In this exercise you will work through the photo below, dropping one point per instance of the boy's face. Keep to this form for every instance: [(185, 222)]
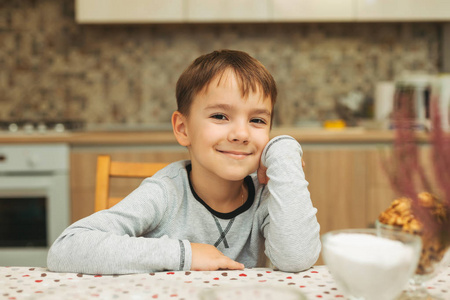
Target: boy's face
[(227, 133)]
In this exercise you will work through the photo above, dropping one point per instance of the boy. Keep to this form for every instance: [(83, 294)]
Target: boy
[(238, 194)]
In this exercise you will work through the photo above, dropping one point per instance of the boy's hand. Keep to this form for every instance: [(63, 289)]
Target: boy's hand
[(208, 258), (262, 176)]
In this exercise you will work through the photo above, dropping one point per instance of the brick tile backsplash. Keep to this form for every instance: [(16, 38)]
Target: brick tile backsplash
[(52, 67)]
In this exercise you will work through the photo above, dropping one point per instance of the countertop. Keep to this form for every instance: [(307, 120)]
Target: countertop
[(166, 137)]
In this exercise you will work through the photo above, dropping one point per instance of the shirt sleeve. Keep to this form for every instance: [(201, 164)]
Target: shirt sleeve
[(111, 241), (291, 230)]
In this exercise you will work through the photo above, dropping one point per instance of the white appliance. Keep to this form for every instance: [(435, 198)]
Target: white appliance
[(413, 91), (443, 91), (420, 90), (34, 201)]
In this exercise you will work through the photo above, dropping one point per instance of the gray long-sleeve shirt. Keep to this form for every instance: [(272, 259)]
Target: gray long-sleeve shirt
[(152, 228)]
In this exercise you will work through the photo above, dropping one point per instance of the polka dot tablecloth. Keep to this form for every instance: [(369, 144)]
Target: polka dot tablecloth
[(39, 283)]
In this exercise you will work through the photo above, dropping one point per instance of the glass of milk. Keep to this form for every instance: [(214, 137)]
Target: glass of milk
[(371, 264)]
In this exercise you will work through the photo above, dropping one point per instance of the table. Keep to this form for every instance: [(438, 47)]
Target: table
[(39, 283)]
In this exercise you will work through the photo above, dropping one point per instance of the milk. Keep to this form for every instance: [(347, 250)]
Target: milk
[(367, 266)]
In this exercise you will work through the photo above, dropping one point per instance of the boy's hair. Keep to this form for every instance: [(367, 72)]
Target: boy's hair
[(251, 75)]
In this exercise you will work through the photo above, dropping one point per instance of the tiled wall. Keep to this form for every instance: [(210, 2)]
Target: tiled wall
[(51, 67)]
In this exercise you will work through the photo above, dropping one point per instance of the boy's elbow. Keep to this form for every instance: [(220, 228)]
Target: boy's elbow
[(298, 261), (53, 260), (58, 259), (296, 266)]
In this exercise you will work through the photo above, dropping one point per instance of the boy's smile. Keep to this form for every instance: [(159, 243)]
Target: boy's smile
[(235, 154), (227, 132)]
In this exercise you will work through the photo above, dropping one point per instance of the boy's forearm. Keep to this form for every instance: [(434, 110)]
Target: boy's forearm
[(292, 232), (96, 252), (112, 242)]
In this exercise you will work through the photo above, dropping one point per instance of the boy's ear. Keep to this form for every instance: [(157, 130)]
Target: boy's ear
[(180, 128)]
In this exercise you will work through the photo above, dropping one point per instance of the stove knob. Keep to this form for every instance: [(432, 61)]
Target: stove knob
[(13, 127), (28, 127), (60, 127), (41, 127)]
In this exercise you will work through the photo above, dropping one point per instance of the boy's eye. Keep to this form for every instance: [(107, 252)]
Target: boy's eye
[(219, 117), (258, 121)]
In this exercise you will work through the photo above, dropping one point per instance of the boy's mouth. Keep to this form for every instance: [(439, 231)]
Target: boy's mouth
[(235, 154)]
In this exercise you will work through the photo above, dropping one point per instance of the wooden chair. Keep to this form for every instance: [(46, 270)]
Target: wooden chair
[(107, 169)]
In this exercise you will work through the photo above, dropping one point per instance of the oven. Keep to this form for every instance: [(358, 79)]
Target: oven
[(34, 201)]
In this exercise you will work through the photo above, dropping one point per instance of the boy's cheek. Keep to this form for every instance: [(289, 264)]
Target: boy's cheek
[(266, 141)]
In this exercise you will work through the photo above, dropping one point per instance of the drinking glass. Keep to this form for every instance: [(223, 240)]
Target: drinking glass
[(371, 264)]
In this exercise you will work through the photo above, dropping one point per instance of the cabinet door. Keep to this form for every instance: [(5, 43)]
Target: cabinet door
[(379, 192), (337, 180), (313, 10), (228, 10), (128, 11), (402, 10), (349, 185)]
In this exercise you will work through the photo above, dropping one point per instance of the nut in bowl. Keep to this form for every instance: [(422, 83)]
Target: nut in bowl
[(435, 252), (371, 264)]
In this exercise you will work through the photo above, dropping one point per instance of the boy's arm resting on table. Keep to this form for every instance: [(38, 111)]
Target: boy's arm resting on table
[(109, 242), (291, 229)]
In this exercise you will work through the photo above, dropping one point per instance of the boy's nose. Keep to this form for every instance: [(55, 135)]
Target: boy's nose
[(239, 133)]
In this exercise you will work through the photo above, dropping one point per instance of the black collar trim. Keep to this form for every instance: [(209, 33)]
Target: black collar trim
[(248, 203)]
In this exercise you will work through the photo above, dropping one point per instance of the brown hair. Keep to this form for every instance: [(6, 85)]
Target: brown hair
[(250, 74)]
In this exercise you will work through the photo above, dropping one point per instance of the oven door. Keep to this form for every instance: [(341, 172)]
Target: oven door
[(34, 210)]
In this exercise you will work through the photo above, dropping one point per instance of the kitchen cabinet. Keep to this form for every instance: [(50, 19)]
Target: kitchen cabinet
[(228, 11), (348, 184), (402, 10), (129, 11), (337, 186), (195, 11), (312, 10)]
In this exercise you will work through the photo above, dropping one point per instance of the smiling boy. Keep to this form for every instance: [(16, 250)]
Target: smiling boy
[(238, 195)]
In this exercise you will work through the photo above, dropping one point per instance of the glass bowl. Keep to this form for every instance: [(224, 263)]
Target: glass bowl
[(371, 264), (433, 258)]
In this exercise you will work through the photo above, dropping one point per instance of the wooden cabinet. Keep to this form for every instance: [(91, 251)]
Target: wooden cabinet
[(129, 11), (178, 11), (402, 10), (83, 164), (312, 10), (228, 10), (348, 184), (337, 186)]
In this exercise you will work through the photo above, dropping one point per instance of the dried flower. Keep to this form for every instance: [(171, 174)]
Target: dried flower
[(407, 175)]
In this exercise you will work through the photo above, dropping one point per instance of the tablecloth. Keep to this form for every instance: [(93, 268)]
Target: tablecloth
[(39, 283)]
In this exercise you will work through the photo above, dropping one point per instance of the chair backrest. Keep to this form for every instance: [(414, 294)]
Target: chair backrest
[(107, 169)]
